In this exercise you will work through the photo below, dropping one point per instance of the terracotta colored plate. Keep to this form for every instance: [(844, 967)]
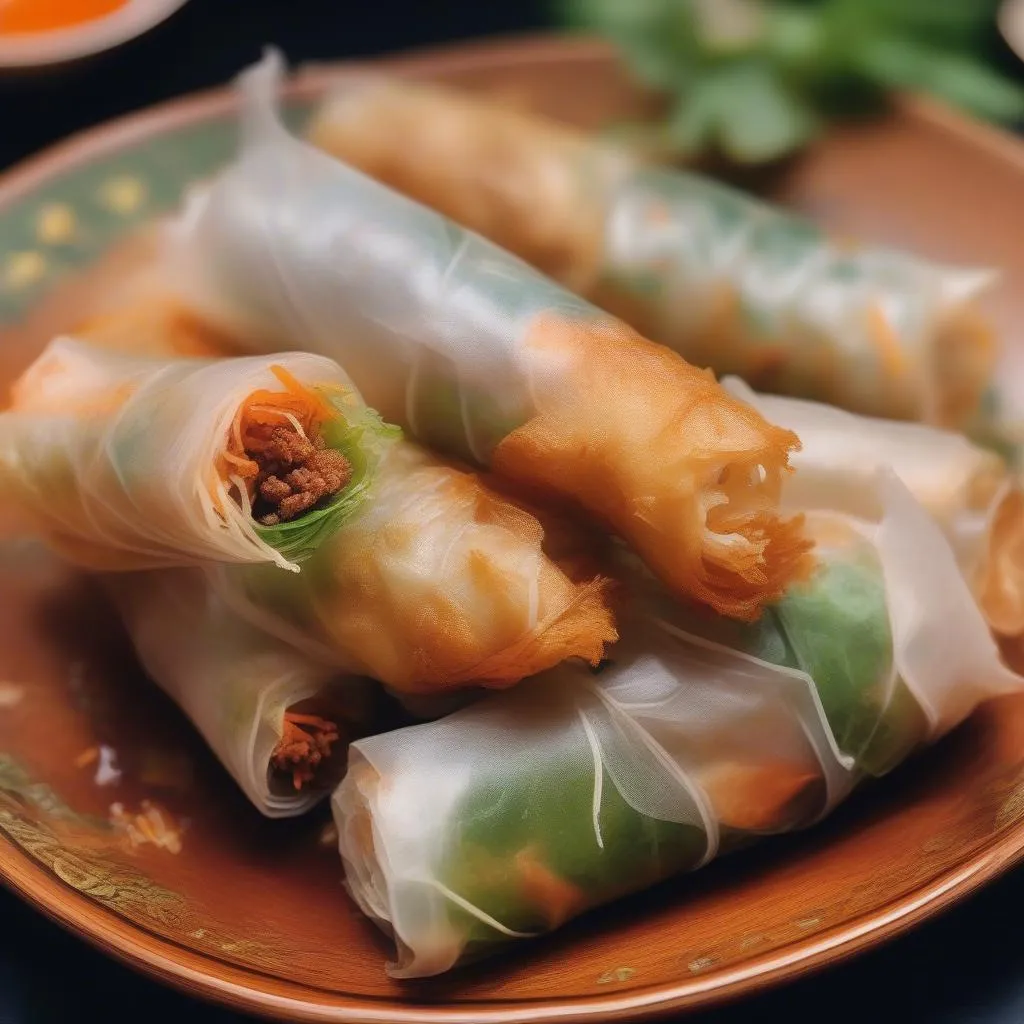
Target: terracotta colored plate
[(251, 912)]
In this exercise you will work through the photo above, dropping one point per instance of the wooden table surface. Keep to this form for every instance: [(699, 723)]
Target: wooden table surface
[(967, 966)]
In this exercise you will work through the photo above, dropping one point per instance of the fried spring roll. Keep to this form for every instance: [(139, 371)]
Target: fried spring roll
[(481, 357), (725, 280), (412, 571), (437, 583), (524, 809)]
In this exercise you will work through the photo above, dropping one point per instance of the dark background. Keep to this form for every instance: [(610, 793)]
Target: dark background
[(967, 966), (208, 41)]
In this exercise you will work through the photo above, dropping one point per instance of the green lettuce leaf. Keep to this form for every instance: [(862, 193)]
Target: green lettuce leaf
[(542, 809), (836, 628), (362, 437)]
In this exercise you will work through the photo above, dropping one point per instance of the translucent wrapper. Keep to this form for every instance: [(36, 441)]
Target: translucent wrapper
[(415, 573), (126, 462), (526, 808), (480, 356), (241, 688), (435, 582), (723, 279), (969, 491)]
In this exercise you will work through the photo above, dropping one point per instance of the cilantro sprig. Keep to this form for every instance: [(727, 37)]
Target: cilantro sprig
[(753, 80)]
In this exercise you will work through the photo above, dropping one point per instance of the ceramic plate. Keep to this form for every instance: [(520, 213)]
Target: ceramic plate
[(203, 893)]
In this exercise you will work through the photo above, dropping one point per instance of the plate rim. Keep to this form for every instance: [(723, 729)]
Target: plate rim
[(206, 976), (231, 985), (312, 77)]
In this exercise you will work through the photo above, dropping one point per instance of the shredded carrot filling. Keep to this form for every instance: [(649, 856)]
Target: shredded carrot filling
[(559, 898), (304, 746), (153, 824), (87, 757), (276, 452)]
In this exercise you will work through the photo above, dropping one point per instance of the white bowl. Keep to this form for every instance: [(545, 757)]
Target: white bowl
[(34, 49), (1011, 24)]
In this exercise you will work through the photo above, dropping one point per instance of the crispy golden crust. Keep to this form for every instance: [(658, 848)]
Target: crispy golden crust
[(472, 625), (507, 175), (688, 475)]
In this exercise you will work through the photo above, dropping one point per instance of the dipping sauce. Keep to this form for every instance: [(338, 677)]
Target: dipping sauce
[(26, 16)]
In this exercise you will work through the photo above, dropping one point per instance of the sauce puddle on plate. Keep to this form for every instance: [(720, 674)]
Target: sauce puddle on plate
[(18, 17)]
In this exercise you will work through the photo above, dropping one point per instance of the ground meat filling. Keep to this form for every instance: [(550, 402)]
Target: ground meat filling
[(304, 746), (295, 473)]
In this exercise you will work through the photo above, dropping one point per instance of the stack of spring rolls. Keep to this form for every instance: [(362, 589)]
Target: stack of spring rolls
[(671, 614)]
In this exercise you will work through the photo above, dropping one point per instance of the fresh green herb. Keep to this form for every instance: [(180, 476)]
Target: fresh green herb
[(753, 80)]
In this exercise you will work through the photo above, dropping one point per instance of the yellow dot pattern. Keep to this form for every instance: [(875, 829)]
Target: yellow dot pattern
[(124, 194), (23, 269), (56, 224)]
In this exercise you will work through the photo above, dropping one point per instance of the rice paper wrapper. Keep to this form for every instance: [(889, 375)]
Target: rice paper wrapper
[(113, 458), (234, 682), (746, 288), (723, 278), (438, 349), (518, 812), (435, 582), (969, 491), (479, 356)]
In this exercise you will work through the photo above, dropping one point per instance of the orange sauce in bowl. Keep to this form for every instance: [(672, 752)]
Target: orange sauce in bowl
[(25, 16)]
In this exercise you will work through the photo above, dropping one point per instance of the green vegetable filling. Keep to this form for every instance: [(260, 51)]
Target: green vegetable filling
[(526, 850), (360, 438), (836, 628)]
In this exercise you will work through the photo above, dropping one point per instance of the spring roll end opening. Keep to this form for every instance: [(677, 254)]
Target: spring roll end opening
[(750, 553), (290, 468), (309, 753)]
